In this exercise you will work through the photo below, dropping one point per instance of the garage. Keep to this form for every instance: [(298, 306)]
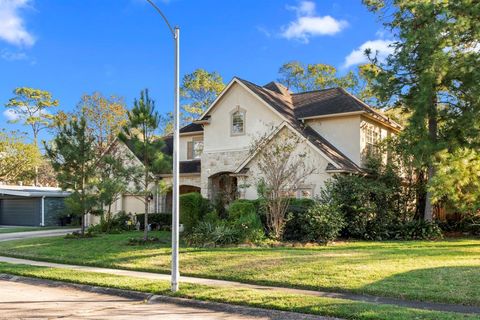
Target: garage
[(31, 206)]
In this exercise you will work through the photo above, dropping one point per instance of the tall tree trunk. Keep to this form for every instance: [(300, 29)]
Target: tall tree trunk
[(432, 132)]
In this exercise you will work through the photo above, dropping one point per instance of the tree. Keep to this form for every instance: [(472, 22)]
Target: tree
[(299, 77), (457, 180), (140, 134), (105, 118), (282, 168), (32, 107), (112, 181), (73, 158), (18, 159), (433, 75), (199, 90)]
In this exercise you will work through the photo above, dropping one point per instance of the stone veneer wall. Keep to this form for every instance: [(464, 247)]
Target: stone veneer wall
[(216, 162)]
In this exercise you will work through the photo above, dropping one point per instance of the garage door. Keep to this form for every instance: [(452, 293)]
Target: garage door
[(20, 212)]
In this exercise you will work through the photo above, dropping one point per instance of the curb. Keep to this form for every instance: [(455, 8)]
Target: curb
[(158, 299)]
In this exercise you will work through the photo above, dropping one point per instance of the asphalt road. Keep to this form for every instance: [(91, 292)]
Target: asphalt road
[(35, 234), (34, 301)]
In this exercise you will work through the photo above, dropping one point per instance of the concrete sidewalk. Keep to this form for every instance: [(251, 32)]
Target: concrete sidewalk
[(35, 234), (222, 283)]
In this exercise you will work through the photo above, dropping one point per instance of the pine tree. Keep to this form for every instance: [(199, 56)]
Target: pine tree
[(73, 158), (433, 76), (139, 134)]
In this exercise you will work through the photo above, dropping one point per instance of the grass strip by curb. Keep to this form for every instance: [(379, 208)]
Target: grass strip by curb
[(239, 296)]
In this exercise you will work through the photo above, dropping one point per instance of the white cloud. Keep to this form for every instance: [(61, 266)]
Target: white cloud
[(308, 24), (13, 56), (379, 47), (10, 115), (12, 26)]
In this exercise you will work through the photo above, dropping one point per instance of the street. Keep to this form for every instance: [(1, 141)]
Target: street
[(21, 301)]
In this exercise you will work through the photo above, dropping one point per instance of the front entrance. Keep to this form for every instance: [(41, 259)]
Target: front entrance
[(223, 188)]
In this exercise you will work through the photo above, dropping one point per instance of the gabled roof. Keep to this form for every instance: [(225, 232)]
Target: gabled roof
[(283, 104), (294, 108)]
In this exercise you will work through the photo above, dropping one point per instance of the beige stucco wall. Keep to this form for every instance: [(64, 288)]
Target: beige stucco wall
[(184, 139), (185, 180), (342, 132), (312, 160), (223, 152)]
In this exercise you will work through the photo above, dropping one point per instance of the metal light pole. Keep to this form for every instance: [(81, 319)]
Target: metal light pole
[(176, 153)]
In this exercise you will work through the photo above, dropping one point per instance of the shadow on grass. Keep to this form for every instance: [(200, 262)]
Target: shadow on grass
[(458, 285)]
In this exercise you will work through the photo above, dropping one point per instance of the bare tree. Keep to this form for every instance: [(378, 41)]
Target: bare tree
[(282, 169)]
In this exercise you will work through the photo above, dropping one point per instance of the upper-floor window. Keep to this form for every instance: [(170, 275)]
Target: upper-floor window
[(195, 148), (237, 121), (372, 138)]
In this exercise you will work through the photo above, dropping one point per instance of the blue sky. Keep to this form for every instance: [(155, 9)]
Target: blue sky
[(122, 46)]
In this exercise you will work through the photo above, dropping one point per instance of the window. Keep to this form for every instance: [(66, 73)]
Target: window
[(238, 122), (195, 148), (372, 137)]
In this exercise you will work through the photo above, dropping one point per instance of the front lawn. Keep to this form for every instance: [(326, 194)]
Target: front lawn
[(255, 298), (441, 271)]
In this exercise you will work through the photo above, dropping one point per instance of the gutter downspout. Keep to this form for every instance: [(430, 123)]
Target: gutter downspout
[(42, 224)]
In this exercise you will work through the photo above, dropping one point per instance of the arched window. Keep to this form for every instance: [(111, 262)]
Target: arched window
[(237, 122)]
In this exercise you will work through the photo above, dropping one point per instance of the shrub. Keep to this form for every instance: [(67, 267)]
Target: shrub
[(208, 234), (240, 208), (295, 227), (244, 219), (156, 220), (193, 208), (323, 223)]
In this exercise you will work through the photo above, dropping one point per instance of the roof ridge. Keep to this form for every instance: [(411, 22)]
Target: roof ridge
[(318, 90)]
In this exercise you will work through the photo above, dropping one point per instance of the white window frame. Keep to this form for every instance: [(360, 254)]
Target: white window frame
[(243, 112)]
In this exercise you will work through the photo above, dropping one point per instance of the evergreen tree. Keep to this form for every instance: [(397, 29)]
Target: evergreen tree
[(73, 158), (139, 134), (432, 74)]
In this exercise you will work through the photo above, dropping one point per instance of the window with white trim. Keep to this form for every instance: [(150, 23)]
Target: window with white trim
[(195, 148), (372, 138), (237, 122)]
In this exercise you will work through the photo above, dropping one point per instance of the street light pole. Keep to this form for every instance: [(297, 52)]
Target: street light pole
[(176, 154)]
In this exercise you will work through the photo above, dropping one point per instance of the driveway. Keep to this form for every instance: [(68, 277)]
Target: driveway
[(40, 301), (35, 234)]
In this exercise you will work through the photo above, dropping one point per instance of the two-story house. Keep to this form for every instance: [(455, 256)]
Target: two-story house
[(335, 127)]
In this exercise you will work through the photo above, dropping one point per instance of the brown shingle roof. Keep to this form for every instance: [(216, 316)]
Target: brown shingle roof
[(284, 105)]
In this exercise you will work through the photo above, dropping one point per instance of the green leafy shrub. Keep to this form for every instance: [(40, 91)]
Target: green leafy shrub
[(240, 208), (193, 208), (323, 223), (159, 221), (295, 227), (208, 234)]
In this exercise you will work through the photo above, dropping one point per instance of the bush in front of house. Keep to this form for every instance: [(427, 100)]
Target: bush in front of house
[(242, 225), (193, 208), (323, 223), (295, 226), (159, 221)]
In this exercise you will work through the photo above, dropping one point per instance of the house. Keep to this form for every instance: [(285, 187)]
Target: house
[(336, 128), (31, 206)]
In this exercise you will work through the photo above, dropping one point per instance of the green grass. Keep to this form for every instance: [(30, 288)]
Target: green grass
[(248, 297), (443, 271), (25, 229)]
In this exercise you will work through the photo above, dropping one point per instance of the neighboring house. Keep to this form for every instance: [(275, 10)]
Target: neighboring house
[(31, 206), (337, 130)]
